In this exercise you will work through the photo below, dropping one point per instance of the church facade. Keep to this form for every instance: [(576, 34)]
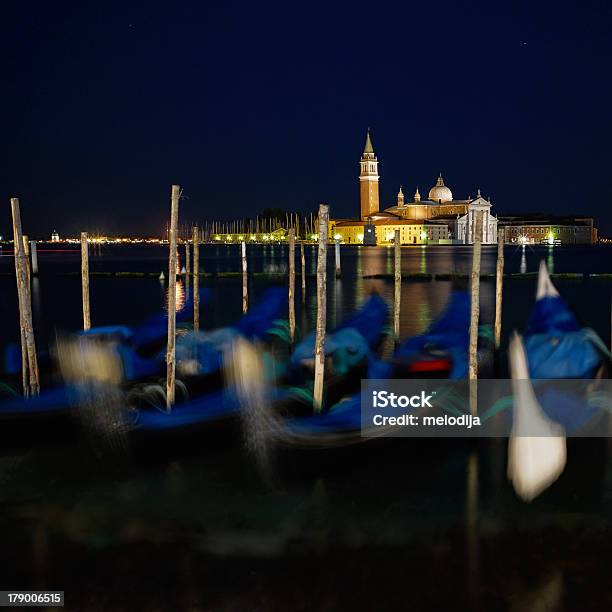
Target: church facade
[(438, 219)]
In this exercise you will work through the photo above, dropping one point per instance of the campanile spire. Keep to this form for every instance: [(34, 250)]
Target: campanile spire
[(368, 180)]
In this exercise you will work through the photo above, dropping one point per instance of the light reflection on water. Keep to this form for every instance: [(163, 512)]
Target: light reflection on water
[(180, 296), (57, 300), (212, 502)]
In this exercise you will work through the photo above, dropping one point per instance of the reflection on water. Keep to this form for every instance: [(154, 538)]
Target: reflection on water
[(423, 259), (448, 512), (180, 296), (550, 260), (421, 301), (471, 525)]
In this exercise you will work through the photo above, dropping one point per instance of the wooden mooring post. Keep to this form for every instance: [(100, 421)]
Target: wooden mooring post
[(30, 376), (187, 260), (245, 280), (34, 252), (337, 251), (85, 281), (303, 258), (26, 250), (321, 308), (172, 262), (398, 286), (499, 286), (475, 312), (292, 284), (24, 351), (196, 278)]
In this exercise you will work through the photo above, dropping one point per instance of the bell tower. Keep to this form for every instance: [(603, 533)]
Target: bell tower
[(368, 180)]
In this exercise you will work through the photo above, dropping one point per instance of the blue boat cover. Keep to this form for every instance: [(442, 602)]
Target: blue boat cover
[(202, 346), (206, 349), (49, 400), (556, 345), (351, 342), (450, 332), (369, 319)]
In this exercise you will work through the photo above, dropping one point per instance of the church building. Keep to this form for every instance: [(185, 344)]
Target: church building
[(439, 219)]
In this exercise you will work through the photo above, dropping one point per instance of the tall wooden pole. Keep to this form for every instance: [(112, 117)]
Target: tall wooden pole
[(187, 260), (292, 284), (337, 257), (303, 258), (398, 286), (196, 279), (321, 308), (85, 281), (26, 250), (245, 289), (25, 303), (475, 311), (499, 286), (34, 252), (25, 370), (171, 352)]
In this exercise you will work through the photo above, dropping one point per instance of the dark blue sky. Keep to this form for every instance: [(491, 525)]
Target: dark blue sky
[(259, 105)]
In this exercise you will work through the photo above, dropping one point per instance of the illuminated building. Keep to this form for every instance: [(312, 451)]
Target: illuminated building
[(439, 219), (540, 229)]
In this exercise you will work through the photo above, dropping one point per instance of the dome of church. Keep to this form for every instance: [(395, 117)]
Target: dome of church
[(440, 192)]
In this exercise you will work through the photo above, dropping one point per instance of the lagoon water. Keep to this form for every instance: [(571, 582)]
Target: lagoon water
[(57, 291), (421, 524)]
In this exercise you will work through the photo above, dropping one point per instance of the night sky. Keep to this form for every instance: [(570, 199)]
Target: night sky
[(258, 105)]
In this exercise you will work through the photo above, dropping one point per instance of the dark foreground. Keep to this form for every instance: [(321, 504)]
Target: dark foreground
[(416, 525)]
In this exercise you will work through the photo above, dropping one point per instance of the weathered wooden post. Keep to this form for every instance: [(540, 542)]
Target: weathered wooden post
[(24, 353), (245, 289), (25, 305), (171, 353), (303, 258), (321, 308), (337, 257), (196, 279), (499, 286), (85, 281), (34, 252), (398, 286), (475, 311), (187, 260), (292, 284), (26, 250)]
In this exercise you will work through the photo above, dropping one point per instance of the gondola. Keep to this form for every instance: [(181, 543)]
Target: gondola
[(441, 352), (57, 409), (557, 348), (347, 347)]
